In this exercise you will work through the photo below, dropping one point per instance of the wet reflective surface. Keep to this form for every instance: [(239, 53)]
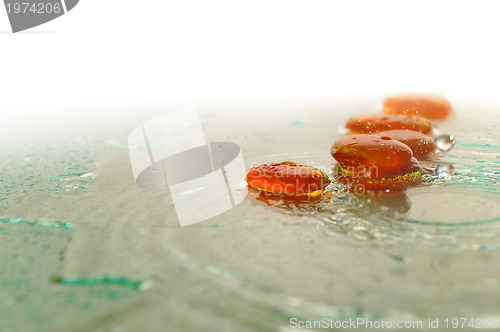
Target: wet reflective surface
[(111, 255)]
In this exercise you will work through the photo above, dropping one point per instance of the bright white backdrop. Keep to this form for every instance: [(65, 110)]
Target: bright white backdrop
[(106, 54)]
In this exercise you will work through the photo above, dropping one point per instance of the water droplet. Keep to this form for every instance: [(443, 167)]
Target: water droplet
[(444, 143), (444, 170)]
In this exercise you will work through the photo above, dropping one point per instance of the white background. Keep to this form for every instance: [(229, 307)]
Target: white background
[(107, 54)]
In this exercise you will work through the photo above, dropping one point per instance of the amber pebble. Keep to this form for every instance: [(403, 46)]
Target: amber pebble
[(422, 145), (369, 124), (371, 150), (427, 106), (288, 179), (375, 162)]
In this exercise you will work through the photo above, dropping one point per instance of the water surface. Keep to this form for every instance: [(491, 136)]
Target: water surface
[(101, 253)]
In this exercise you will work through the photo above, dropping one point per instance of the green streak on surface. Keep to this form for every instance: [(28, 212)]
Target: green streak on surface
[(105, 280), (72, 174), (299, 123), (32, 252), (476, 145), (19, 221)]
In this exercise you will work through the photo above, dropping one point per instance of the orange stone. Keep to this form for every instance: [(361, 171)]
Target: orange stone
[(422, 145), (371, 150), (288, 179), (375, 162), (427, 106), (369, 124)]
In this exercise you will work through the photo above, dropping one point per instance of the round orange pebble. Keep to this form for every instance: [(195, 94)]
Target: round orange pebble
[(421, 144), (371, 150), (288, 179), (375, 162), (427, 106), (369, 124)]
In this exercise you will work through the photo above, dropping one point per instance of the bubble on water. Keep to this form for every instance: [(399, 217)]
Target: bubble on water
[(444, 170), (445, 142)]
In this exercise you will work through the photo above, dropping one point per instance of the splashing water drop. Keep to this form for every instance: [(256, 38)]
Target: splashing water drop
[(444, 143), (444, 170)]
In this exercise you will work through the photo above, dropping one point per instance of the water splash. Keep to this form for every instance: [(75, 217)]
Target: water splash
[(386, 217)]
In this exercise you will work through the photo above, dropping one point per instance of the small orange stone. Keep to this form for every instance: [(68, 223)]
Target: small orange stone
[(422, 145), (369, 124), (371, 150), (427, 106), (375, 162), (288, 179)]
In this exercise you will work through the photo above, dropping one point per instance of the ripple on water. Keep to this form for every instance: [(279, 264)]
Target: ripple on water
[(459, 206), (452, 206)]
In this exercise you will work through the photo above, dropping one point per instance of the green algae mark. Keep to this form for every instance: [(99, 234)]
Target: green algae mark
[(105, 280), (32, 252), (214, 226), (71, 174), (477, 145), (299, 123), (43, 223)]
